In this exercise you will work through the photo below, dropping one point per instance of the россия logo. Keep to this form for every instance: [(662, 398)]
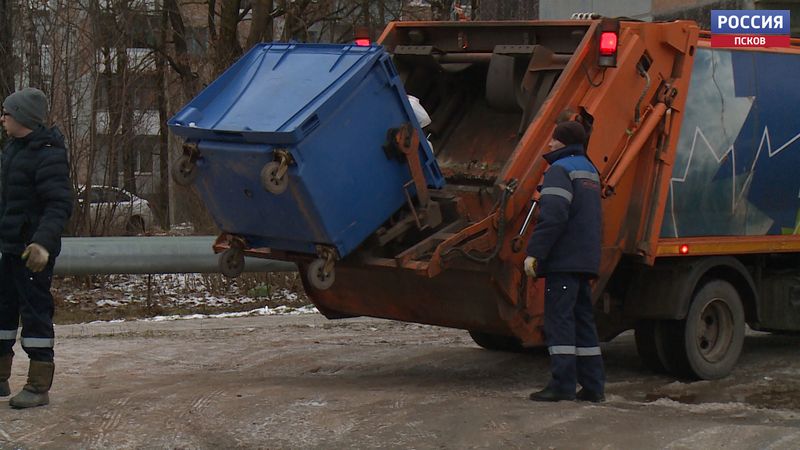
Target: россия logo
[(750, 28)]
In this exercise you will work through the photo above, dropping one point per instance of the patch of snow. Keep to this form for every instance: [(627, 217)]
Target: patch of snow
[(108, 303), (265, 311), (728, 408), (189, 290)]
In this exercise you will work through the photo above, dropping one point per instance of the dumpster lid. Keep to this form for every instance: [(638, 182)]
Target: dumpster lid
[(273, 91)]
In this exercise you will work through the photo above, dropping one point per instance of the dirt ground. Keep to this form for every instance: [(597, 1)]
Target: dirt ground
[(306, 382)]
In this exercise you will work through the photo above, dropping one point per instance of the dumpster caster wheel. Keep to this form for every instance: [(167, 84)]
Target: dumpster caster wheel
[(231, 262), (183, 171), (272, 180), (318, 277)]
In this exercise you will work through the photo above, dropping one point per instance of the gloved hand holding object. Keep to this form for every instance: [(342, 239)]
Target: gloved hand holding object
[(530, 265), (37, 257)]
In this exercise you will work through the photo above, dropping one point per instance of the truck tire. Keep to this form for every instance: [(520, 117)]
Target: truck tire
[(645, 335), (671, 349), (496, 342), (714, 330), (707, 344)]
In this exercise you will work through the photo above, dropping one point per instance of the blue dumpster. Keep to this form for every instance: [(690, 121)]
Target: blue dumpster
[(329, 108)]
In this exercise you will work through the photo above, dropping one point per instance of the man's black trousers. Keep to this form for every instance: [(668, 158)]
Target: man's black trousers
[(25, 296)]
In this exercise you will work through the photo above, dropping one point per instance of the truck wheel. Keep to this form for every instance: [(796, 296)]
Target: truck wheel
[(497, 342), (270, 181), (231, 262), (183, 171), (670, 347), (646, 347), (317, 276), (714, 331), (707, 344)]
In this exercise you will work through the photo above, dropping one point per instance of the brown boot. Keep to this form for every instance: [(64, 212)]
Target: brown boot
[(40, 378), (5, 372)]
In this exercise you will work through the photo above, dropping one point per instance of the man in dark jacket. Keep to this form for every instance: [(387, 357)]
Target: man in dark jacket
[(565, 249), (35, 204)]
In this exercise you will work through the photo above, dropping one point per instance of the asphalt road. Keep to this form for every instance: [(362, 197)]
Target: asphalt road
[(306, 382)]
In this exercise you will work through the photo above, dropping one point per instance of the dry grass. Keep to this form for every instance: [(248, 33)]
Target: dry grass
[(99, 297)]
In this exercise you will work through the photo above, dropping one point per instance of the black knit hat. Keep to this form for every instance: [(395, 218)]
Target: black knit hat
[(569, 133), (27, 106)]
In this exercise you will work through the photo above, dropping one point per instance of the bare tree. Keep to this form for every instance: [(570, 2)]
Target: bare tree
[(262, 27), (163, 115), (7, 63), (227, 43), (440, 9)]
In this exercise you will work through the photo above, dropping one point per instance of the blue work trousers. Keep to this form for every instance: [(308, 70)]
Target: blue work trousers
[(571, 334)]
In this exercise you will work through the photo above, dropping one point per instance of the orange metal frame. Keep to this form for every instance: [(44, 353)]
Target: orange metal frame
[(630, 156)]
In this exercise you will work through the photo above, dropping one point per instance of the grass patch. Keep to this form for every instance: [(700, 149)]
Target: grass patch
[(114, 297)]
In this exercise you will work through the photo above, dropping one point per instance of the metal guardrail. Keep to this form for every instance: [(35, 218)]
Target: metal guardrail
[(149, 255)]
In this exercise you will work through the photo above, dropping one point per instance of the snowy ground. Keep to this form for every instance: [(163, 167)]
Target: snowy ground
[(174, 296), (301, 381), (265, 311)]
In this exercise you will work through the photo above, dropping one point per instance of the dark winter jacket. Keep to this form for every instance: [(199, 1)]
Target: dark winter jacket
[(567, 236), (36, 195)]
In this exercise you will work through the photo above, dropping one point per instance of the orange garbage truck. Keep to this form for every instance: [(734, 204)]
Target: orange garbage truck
[(697, 149)]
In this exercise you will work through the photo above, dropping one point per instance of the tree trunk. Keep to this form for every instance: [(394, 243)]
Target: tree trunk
[(261, 28), (114, 118), (181, 65), (365, 9), (212, 23), (163, 132), (33, 53), (440, 9), (227, 47), (288, 22), (7, 66), (129, 153)]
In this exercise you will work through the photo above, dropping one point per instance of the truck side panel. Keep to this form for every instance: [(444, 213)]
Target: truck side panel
[(735, 171)]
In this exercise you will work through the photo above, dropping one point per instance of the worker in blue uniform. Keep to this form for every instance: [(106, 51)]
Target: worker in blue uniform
[(565, 249)]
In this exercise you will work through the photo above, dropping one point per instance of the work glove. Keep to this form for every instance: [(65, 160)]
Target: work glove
[(530, 265), (36, 256)]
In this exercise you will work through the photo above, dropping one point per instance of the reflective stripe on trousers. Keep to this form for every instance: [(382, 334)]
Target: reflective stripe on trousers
[(8, 335), (562, 350), (28, 342), (572, 350), (587, 351)]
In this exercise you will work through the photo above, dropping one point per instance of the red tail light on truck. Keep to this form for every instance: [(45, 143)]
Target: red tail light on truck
[(608, 41)]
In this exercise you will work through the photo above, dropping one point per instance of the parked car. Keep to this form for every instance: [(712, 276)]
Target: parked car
[(115, 210)]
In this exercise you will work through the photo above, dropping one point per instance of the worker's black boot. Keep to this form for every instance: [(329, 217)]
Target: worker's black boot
[(40, 378), (549, 394), (585, 395), (5, 373)]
